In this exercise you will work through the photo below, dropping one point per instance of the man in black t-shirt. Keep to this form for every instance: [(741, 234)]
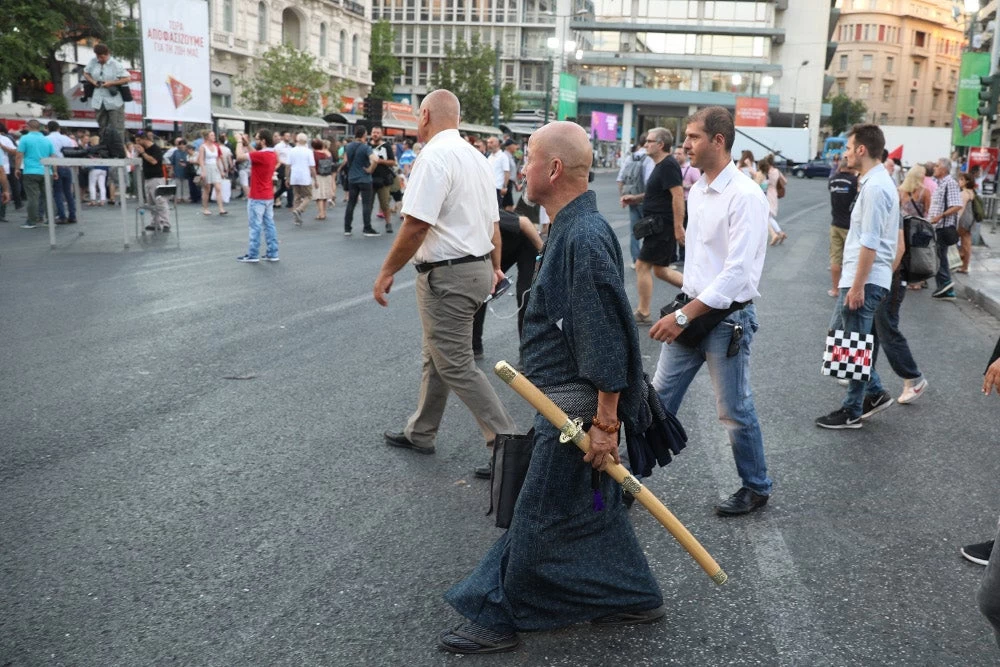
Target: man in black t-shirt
[(664, 202), (152, 174), (843, 186)]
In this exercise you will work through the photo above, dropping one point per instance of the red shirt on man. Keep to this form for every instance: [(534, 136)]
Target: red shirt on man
[(262, 165)]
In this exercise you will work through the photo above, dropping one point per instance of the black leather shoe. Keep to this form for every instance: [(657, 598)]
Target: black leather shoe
[(743, 501), (484, 472), (401, 441)]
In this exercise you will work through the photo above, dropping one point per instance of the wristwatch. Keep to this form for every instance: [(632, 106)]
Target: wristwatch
[(682, 319)]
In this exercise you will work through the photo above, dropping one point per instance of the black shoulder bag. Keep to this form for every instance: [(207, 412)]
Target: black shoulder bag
[(946, 234)]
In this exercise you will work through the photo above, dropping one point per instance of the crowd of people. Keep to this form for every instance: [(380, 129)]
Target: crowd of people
[(702, 222)]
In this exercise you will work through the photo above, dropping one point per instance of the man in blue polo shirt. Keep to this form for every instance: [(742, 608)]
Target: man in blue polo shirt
[(30, 150)]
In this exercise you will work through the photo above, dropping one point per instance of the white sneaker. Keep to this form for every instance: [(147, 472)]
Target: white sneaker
[(911, 391), (844, 382)]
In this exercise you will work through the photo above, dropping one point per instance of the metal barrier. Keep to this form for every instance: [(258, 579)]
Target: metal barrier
[(992, 205)]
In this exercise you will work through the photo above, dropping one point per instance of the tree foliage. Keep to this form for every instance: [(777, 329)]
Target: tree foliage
[(286, 81), (467, 71), (384, 66), (31, 33), (845, 112)]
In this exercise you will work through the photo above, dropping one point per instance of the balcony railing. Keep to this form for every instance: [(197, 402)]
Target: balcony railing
[(354, 7)]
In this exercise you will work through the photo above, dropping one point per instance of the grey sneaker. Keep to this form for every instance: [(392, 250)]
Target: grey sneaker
[(247, 259), (28, 225), (643, 320), (269, 258), (298, 218)]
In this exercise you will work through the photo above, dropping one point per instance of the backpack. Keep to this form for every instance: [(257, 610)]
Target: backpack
[(324, 166), (978, 209), (634, 178), (920, 254)]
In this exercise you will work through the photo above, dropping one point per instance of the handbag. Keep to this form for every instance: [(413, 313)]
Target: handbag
[(848, 355), (648, 226), (125, 92), (920, 255), (511, 458), (946, 234), (700, 327)]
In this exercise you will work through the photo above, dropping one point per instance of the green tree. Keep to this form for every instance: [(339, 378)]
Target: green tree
[(384, 66), (287, 81), (467, 71), (31, 33), (845, 112)]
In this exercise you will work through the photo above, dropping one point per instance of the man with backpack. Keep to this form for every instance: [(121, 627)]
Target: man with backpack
[(635, 171), (359, 165)]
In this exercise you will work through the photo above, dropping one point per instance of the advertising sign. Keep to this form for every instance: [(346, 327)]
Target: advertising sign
[(567, 96), (985, 159), (603, 126), (175, 55), (967, 130), (751, 112)]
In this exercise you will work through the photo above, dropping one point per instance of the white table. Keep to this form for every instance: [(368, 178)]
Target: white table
[(75, 163)]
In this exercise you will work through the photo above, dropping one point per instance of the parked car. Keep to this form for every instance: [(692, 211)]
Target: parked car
[(813, 169)]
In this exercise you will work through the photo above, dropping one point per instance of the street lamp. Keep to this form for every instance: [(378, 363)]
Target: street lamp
[(795, 100)]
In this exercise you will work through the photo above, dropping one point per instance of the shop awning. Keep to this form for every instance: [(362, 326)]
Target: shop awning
[(400, 121), (521, 129), (343, 118), (479, 129), (238, 113)]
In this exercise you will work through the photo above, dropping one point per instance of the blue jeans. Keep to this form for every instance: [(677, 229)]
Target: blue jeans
[(679, 364), (888, 335), (62, 191), (634, 215), (262, 210), (861, 321)]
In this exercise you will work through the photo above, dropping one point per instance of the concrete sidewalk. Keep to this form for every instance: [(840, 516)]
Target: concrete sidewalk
[(982, 284)]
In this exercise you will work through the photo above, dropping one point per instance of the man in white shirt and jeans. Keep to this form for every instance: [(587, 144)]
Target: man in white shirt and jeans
[(449, 231), (866, 273), (727, 229)]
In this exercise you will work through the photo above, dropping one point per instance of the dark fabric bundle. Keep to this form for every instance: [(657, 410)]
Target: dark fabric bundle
[(664, 437)]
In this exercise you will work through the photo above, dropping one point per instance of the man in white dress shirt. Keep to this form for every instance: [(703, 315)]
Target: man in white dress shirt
[(448, 230), (727, 229), (501, 168)]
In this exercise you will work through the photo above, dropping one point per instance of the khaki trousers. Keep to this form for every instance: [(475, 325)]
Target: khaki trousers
[(447, 298), (158, 204), (303, 195)]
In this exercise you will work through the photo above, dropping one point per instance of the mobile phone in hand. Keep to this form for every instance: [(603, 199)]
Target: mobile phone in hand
[(501, 287)]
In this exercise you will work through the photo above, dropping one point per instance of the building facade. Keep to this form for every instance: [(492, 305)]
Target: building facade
[(650, 62), (901, 58), (337, 33)]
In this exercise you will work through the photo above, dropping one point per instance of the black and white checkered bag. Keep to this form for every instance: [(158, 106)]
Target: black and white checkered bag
[(848, 355)]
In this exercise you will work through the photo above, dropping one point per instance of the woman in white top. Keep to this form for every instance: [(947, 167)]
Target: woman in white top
[(212, 163), (768, 177)]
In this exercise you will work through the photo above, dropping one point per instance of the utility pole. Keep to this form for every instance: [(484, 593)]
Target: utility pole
[(496, 87), (548, 88)]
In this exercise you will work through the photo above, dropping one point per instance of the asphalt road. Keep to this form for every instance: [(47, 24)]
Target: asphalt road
[(192, 470)]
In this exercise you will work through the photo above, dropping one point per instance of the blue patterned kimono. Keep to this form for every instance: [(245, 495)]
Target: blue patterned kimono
[(562, 562)]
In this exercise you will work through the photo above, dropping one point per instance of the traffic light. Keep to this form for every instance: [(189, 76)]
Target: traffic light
[(989, 95), (373, 111)]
